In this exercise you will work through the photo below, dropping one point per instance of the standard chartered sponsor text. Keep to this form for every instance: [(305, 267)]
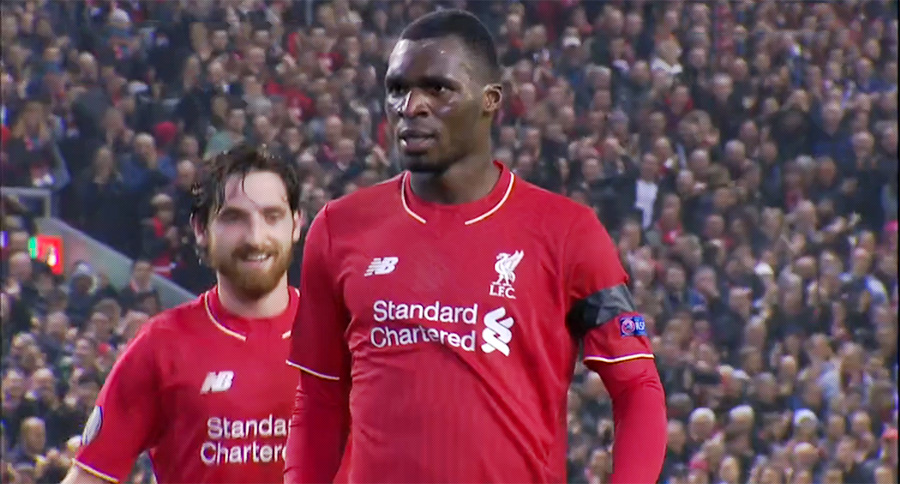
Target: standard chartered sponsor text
[(436, 312), (383, 336), (261, 441)]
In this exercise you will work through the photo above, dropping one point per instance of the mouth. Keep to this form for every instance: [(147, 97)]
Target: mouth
[(255, 258), (416, 141)]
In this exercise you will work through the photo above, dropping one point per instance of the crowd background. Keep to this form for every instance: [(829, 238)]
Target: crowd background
[(742, 154)]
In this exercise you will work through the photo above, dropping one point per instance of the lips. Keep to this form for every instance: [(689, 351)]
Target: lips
[(414, 141)]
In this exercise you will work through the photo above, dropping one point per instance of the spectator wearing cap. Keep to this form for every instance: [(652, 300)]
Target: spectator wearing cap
[(160, 237), (81, 294)]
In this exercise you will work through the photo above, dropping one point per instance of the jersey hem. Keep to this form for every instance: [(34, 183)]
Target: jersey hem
[(94, 472), (311, 372), (604, 359)]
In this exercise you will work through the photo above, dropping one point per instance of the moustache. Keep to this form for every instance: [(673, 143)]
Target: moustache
[(248, 250)]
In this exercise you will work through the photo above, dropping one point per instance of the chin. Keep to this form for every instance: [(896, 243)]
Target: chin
[(421, 164)]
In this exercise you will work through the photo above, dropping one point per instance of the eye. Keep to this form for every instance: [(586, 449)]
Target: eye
[(436, 88), (396, 90), (272, 217)]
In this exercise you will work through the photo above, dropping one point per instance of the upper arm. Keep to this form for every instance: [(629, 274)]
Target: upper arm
[(601, 309), (317, 339), (127, 416)]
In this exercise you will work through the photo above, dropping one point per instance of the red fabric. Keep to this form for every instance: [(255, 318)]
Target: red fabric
[(196, 387), (450, 325), (639, 413), (319, 430)]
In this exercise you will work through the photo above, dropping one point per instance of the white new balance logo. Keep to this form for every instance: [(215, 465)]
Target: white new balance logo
[(381, 266), (217, 382), (496, 333)]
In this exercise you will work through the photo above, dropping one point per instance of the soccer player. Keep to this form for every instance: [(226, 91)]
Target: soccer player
[(204, 386), (442, 311)]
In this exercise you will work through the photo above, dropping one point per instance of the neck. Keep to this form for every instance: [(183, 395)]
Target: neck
[(467, 180), (265, 306)]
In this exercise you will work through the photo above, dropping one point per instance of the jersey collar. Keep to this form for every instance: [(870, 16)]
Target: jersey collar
[(471, 213), (239, 327)]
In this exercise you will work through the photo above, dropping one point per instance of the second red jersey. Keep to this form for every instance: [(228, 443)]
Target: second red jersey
[(450, 326), (207, 393)]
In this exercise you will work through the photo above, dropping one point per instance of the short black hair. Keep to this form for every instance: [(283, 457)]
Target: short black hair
[(209, 192), (464, 26)]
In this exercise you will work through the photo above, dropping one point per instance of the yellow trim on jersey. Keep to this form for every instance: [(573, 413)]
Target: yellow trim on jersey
[(218, 325), (403, 199), (313, 373), (619, 359), (512, 178), (94, 472)]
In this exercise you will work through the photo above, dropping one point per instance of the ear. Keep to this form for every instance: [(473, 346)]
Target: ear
[(199, 233), (492, 98), (299, 222)]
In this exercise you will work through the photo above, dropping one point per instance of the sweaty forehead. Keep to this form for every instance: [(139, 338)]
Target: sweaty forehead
[(440, 57)]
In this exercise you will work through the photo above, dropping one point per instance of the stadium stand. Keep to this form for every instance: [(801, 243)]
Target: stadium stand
[(743, 154)]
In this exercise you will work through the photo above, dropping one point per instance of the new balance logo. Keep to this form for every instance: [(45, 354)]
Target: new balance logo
[(496, 333), (217, 382), (381, 266)]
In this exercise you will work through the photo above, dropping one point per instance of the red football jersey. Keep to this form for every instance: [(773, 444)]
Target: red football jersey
[(459, 327), (207, 393)]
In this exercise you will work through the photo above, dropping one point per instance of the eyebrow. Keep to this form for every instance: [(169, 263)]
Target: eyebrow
[(226, 209), (397, 79)]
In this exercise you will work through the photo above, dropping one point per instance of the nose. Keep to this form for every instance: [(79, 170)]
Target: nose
[(413, 104), (256, 231)]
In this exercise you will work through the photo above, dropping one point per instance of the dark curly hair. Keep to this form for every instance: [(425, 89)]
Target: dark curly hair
[(209, 192)]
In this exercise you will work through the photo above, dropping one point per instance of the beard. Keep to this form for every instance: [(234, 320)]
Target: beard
[(254, 283)]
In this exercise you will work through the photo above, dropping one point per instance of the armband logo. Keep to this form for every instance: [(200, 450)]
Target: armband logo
[(632, 326)]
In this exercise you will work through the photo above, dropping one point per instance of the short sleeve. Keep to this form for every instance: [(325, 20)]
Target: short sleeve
[(601, 310), (318, 346), (127, 416)]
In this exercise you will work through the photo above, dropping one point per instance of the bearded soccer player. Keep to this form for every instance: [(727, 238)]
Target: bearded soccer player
[(204, 386), (442, 311)]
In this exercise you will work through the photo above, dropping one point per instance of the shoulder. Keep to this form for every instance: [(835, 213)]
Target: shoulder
[(560, 211), (360, 200), (173, 322), (363, 207)]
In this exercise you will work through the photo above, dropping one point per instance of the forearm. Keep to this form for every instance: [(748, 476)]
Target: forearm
[(639, 411), (318, 431)]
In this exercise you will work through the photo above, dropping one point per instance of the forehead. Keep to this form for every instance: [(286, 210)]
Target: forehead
[(441, 57), (254, 190)]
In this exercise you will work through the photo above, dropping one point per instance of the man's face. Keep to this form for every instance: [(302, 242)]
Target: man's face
[(220, 40), (142, 272), (436, 102), (250, 238), (237, 120), (43, 382), (186, 173), (35, 436)]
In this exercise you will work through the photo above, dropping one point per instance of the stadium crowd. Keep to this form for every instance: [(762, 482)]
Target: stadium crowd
[(743, 155)]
